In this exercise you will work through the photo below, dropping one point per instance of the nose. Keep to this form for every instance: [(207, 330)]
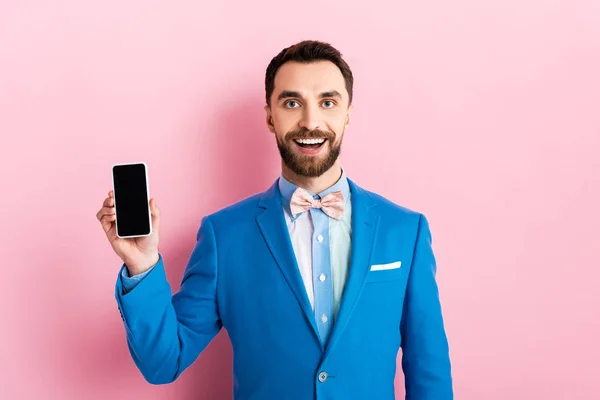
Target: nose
[(311, 118)]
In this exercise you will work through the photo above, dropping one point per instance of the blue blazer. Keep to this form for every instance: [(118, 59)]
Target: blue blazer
[(242, 275)]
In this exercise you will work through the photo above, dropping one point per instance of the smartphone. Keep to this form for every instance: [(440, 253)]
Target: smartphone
[(132, 200)]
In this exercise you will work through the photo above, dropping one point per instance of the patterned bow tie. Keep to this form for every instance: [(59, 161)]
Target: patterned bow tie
[(332, 204)]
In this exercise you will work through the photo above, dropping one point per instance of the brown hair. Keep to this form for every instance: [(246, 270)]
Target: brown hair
[(307, 51)]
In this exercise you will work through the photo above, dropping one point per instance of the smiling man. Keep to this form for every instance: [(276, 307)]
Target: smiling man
[(318, 281)]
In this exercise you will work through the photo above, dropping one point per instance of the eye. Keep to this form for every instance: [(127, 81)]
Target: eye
[(329, 103), (287, 103)]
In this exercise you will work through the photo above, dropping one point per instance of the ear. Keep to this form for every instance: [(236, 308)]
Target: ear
[(348, 116), (269, 118)]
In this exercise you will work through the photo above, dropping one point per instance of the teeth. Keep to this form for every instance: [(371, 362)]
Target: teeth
[(310, 141)]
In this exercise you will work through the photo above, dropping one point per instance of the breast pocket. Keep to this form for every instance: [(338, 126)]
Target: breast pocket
[(385, 272)]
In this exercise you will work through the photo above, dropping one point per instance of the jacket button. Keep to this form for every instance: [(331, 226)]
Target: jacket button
[(323, 376)]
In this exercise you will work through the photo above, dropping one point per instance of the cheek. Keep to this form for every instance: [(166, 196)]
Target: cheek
[(338, 126), (283, 123)]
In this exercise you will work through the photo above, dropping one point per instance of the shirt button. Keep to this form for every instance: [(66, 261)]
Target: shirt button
[(322, 278), (323, 376), (320, 238), (324, 318)]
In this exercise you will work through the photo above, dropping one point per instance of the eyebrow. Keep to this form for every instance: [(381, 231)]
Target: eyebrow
[(290, 93)]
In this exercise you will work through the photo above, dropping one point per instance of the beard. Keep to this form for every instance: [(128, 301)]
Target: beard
[(304, 165)]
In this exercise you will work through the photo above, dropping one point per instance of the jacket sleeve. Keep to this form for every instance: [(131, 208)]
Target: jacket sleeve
[(130, 282), (165, 334), (425, 350)]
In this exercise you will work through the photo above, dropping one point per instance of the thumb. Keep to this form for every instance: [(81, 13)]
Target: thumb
[(155, 214)]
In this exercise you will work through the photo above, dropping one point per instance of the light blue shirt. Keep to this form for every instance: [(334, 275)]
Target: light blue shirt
[(322, 248)]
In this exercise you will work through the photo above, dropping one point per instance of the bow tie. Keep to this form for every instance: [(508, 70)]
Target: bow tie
[(332, 204)]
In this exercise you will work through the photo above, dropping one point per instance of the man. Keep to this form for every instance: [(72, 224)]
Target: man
[(317, 280)]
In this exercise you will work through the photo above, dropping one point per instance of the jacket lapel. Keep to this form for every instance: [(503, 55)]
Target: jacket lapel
[(364, 227), (271, 222)]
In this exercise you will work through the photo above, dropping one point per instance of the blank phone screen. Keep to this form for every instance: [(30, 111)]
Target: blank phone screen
[(131, 200)]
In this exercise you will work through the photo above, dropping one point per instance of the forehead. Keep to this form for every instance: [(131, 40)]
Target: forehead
[(310, 79)]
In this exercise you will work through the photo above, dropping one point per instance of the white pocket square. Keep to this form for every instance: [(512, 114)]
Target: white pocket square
[(383, 267)]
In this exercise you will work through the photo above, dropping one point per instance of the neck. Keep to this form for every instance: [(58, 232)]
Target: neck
[(314, 184)]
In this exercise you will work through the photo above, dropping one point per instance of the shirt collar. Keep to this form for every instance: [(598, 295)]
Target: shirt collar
[(287, 189)]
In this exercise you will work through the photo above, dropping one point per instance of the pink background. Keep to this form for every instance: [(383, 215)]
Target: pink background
[(484, 115)]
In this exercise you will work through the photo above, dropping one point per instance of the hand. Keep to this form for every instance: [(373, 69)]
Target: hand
[(139, 254)]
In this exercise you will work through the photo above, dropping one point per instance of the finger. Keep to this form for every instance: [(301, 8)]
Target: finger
[(109, 202), (155, 214), (111, 193), (107, 222), (153, 208), (105, 211)]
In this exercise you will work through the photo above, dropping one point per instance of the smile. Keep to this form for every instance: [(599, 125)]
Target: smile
[(310, 146), (310, 141)]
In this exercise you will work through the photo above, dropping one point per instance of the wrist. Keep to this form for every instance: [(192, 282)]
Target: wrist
[(137, 268)]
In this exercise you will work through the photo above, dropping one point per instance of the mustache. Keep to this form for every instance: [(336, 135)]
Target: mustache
[(304, 133)]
